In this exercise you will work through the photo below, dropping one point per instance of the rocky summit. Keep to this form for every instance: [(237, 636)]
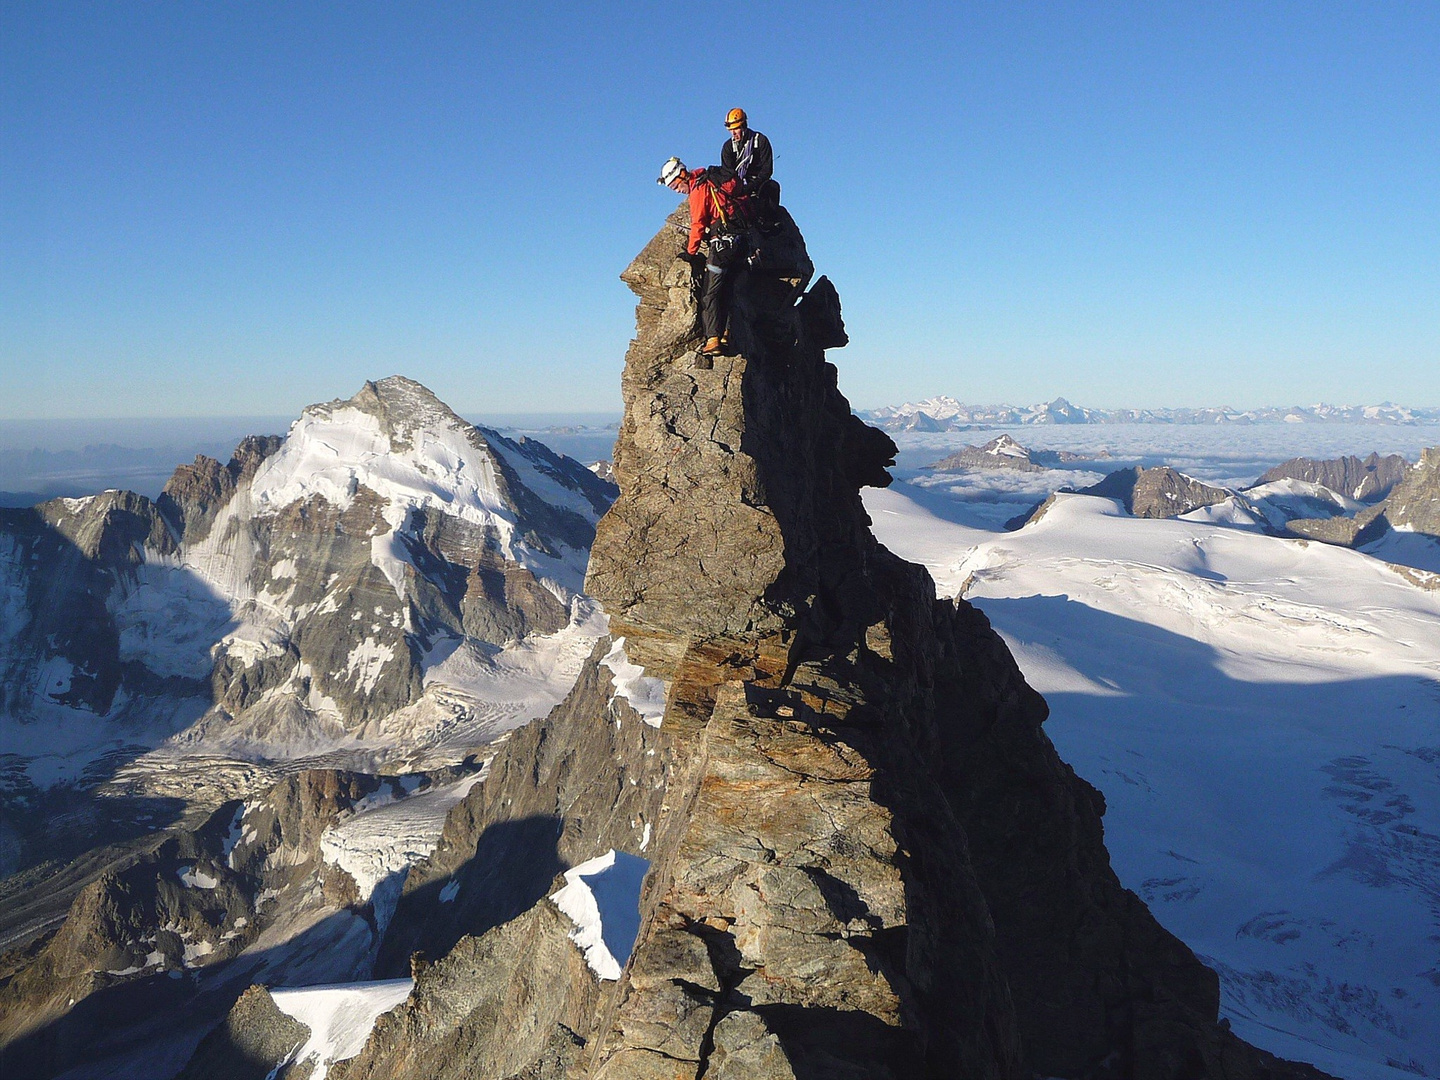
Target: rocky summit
[(797, 818)]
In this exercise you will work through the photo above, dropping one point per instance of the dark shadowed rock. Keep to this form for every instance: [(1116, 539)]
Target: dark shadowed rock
[(250, 1042)]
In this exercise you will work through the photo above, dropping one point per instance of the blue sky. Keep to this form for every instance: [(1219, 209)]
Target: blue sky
[(231, 208)]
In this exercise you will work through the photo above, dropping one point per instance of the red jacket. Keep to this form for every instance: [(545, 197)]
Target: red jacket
[(703, 210)]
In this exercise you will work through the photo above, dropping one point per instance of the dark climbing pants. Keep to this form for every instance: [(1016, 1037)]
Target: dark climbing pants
[(715, 301), (718, 285)]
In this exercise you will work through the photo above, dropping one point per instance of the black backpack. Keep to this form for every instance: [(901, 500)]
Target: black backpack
[(717, 174)]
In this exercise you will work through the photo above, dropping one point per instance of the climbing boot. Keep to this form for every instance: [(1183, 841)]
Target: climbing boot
[(711, 347)]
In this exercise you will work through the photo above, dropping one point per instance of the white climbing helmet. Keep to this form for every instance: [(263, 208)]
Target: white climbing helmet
[(673, 169)]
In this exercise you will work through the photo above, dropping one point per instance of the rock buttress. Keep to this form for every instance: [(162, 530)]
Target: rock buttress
[(740, 475), (865, 857)]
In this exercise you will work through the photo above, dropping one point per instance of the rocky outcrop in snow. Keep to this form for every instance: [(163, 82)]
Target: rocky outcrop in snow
[(1412, 505), (1159, 492), (1362, 479)]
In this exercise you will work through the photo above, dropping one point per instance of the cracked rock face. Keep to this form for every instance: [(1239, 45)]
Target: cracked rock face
[(863, 856), (740, 509)]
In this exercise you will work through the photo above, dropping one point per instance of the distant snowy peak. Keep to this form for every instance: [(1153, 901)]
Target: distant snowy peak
[(1003, 452), (945, 413), (397, 442), (384, 554), (942, 413)]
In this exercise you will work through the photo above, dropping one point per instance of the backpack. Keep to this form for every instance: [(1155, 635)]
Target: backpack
[(732, 209)]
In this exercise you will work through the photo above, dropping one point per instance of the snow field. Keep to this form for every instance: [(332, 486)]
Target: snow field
[(388, 834), (333, 451), (1263, 716), (340, 1017), (645, 694)]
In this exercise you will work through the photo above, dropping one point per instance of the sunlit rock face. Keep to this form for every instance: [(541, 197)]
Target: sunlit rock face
[(862, 856)]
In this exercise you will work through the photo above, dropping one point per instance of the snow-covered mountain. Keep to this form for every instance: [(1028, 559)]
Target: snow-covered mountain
[(944, 413), (386, 582), (1003, 452)]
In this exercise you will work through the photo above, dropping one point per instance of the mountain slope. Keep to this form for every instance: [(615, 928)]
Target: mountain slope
[(299, 599)]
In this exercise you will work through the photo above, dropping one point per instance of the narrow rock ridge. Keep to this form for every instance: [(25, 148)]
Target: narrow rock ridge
[(865, 858)]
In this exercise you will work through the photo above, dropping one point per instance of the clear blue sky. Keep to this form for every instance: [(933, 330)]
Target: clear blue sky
[(245, 207)]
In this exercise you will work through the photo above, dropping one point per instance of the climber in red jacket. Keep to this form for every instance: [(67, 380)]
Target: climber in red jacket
[(716, 219)]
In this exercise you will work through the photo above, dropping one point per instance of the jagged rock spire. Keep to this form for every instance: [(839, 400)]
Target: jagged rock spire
[(739, 476)]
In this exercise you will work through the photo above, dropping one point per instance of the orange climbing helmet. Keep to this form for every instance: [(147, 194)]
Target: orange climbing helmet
[(735, 118)]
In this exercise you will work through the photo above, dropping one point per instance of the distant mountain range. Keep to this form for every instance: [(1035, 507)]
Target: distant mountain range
[(946, 414)]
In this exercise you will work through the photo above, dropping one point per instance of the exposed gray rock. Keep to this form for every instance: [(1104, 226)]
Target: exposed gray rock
[(1160, 492), (1414, 503), (133, 940), (1036, 512), (1344, 530), (1364, 479), (197, 492), (505, 1004), (1003, 452), (735, 493)]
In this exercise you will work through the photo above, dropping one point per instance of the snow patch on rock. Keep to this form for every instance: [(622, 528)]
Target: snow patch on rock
[(645, 694), (602, 898), (340, 1017), (193, 878), (366, 662)]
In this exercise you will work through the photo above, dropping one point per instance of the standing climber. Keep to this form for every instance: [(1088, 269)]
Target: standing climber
[(748, 153), (716, 218)]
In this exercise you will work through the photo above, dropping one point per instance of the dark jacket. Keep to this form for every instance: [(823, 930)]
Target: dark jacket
[(753, 161)]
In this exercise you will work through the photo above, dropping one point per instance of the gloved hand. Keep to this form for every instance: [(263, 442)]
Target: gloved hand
[(695, 259)]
